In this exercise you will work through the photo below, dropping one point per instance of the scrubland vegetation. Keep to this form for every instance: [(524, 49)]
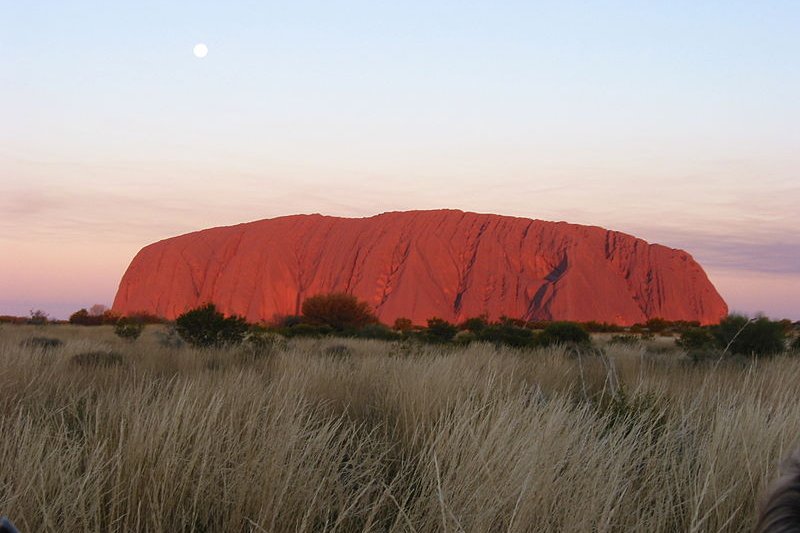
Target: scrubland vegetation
[(102, 433)]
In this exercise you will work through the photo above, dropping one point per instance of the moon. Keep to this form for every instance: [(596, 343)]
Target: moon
[(200, 50)]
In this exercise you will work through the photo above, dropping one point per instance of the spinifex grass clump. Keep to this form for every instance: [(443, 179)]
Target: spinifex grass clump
[(97, 358), (128, 329), (43, 343)]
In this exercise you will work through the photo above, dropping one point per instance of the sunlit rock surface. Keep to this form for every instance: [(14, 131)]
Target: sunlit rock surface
[(422, 264)]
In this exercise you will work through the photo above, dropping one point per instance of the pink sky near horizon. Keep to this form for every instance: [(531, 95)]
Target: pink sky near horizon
[(67, 248)]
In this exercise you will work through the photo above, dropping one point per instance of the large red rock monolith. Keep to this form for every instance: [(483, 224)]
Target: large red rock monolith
[(420, 264)]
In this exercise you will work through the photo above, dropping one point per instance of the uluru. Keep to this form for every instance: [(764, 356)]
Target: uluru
[(422, 264)]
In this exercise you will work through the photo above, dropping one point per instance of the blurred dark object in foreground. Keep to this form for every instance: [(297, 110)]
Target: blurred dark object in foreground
[(6, 526)]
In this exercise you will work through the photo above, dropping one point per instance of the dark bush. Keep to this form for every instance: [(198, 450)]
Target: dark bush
[(696, 339), (338, 310), (83, 318), (109, 318), (44, 343), (563, 333), (600, 327), (439, 330), (377, 331), (787, 326), (128, 328), (507, 334), (403, 324), (537, 324), (796, 344), (464, 338), (307, 330), (657, 325), (289, 321), (750, 336), (475, 324), (141, 317), (97, 358), (513, 321), (205, 327), (10, 319)]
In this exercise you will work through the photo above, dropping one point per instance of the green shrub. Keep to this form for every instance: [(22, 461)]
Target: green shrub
[(464, 337), (796, 344), (205, 327), (128, 329), (563, 333), (657, 325), (513, 321), (750, 336), (596, 327), (338, 310), (377, 331), (307, 330), (475, 324), (696, 339), (507, 334), (439, 330), (537, 324)]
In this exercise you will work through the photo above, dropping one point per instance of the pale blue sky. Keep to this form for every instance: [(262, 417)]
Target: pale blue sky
[(675, 122)]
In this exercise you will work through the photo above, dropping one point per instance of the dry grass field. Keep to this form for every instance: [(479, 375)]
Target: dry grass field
[(347, 435)]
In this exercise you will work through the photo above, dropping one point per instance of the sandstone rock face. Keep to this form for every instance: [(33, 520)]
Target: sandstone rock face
[(422, 264)]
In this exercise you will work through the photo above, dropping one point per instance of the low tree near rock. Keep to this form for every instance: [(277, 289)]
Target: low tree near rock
[(82, 317), (475, 324), (403, 324), (339, 311), (440, 330), (378, 332), (507, 334), (563, 333), (38, 318), (696, 339), (760, 336), (205, 327), (79, 318)]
